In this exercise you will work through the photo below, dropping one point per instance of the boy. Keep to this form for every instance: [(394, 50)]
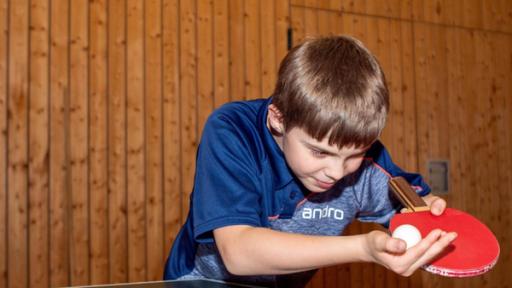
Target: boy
[(279, 179)]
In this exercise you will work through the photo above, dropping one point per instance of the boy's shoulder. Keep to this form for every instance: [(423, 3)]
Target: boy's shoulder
[(240, 107), (239, 113)]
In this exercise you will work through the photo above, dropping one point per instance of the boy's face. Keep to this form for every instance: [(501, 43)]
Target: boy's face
[(318, 165)]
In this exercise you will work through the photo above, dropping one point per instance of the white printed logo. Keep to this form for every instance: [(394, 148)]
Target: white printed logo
[(320, 213)]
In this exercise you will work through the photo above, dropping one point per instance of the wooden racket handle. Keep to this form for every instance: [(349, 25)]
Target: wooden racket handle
[(406, 195)]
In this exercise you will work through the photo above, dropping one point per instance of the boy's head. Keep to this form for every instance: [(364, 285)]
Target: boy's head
[(333, 87)]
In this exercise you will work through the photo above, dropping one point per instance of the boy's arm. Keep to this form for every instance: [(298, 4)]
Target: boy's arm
[(248, 250)]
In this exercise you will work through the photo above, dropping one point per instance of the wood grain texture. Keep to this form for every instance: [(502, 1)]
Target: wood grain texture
[(221, 41), (252, 41), (116, 111), (78, 185), (237, 50), (4, 37), (171, 125), (205, 63), (98, 143), (38, 147), (154, 147), (17, 147), (135, 143), (188, 99), (59, 173)]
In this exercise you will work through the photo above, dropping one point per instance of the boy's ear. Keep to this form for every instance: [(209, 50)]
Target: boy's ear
[(275, 120)]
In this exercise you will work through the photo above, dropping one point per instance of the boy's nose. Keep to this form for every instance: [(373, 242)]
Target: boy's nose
[(335, 172)]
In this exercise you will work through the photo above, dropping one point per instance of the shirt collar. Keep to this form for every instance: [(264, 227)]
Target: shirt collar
[(282, 173)]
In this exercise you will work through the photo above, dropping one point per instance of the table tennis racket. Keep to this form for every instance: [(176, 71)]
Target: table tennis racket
[(474, 251)]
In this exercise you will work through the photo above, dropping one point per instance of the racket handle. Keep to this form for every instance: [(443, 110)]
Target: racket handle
[(406, 195)]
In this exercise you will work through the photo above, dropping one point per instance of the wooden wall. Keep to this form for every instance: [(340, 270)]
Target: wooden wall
[(102, 104)]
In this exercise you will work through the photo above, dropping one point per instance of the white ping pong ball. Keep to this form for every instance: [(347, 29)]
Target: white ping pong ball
[(410, 234)]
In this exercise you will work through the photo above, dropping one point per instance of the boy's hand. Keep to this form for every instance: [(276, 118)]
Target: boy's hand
[(392, 254)]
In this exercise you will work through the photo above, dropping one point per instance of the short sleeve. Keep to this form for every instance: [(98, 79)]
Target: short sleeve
[(226, 187)]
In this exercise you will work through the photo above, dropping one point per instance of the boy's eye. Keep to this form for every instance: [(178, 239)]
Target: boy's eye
[(317, 153)]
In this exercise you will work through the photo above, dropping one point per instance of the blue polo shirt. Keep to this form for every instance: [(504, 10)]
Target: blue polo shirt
[(242, 179)]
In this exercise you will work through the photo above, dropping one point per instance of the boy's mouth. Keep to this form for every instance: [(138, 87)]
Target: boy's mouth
[(324, 185)]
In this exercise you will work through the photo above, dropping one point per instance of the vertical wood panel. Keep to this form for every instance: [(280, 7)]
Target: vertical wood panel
[(205, 66), (17, 149), (153, 119), (171, 117), (38, 147), (78, 140), (282, 18), (188, 98), (297, 23), (3, 141), (268, 46), (98, 165), (221, 52), (252, 49), (236, 50), (117, 140), (59, 198), (135, 142)]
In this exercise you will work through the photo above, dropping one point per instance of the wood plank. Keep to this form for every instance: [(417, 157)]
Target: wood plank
[(237, 50), (495, 15), (269, 32), (117, 141), (98, 166), (324, 28), (388, 9), (17, 148), (252, 49), (135, 144), (171, 124), (310, 23), (354, 6), (297, 21), (154, 148), (205, 76), (38, 147), (221, 77), (188, 100), (3, 141), (78, 140), (283, 23), (472, 13), (59, 173)]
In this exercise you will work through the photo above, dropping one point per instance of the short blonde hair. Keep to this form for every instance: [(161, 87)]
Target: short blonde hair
[(333, 87)]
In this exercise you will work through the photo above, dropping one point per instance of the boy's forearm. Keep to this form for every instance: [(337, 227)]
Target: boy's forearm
[(261, 251)]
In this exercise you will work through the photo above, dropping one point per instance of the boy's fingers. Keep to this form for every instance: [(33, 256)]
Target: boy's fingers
[(444, 239)]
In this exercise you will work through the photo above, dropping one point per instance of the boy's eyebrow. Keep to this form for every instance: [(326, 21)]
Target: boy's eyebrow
[(321, 149)]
